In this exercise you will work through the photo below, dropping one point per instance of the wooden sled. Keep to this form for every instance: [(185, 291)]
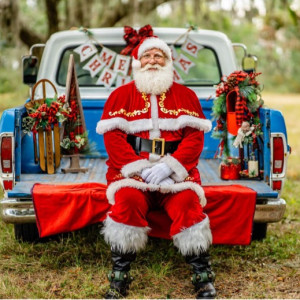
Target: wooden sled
[(48, 159)]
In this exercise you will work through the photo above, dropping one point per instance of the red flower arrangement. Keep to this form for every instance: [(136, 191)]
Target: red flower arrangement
[(53, 112), (45, 116)]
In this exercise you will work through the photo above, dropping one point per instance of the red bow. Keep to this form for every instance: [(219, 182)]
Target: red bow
[(132, 37)]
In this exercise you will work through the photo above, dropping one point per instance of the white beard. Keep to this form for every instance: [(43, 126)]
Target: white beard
[(154, 81)]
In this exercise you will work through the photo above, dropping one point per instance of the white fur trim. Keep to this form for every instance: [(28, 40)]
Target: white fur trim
[(154, 42), (195, 239), (154, 157), (131, 127), (122, 124), (180, 171), (155, 132), (186, 185), (136, 64), (127, 182), (124, 238), (185, 121), (135, 167), (173, 188)]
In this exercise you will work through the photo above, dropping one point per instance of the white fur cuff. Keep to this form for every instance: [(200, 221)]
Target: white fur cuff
[(135, 167), (124, 238), (172, 188), (186, 185), (179, 170), (195, 239), (127, 182)]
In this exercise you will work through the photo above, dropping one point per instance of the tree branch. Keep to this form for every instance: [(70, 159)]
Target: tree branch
[(124, 9), (28, 36)]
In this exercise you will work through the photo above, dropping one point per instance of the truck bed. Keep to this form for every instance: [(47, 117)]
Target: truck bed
[(209, 170)]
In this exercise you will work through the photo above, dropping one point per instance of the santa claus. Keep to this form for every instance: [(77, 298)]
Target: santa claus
[(153, 132)]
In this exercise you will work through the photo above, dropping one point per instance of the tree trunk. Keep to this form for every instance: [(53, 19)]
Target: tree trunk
[(52, 16), (196, 11), (67, 15), (183, 11), (87, 8), (78, 14), (9, 21)]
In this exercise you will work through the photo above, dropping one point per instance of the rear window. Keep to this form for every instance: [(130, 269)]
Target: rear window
[(200, 70)]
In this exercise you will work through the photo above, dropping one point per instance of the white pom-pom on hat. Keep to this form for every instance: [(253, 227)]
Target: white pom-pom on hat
[(136, 64)]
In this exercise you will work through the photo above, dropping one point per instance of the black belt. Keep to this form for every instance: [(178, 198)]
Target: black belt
[(156, 146)]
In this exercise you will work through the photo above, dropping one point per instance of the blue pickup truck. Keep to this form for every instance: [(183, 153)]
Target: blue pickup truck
[(216, 58)]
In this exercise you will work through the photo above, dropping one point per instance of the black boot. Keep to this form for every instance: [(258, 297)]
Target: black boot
[(203, 277), (119, 276)]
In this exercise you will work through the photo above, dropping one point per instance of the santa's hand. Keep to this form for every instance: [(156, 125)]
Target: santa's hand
[(157, 173), (167, 181), (145, 173)]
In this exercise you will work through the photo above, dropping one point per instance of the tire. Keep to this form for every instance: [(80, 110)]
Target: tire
[(27, 232), (259, 231)]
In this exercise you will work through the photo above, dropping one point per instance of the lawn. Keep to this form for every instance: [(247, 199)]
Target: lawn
[(75, 266)]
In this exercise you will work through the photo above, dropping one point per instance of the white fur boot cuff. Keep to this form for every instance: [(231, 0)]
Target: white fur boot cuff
[(195, 239), (124, 238)]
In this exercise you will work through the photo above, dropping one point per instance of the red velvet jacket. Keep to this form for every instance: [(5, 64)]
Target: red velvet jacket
[(179, 117)]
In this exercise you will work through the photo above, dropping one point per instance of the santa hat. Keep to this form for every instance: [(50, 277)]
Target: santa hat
[(147, 44)]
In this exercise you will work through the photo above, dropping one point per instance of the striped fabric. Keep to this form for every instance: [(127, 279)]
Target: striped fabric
[(240, 106)]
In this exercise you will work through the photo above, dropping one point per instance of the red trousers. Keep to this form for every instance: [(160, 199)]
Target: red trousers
[(132, 205)]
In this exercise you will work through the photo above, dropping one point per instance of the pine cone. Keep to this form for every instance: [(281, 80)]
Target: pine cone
[(231, 82)]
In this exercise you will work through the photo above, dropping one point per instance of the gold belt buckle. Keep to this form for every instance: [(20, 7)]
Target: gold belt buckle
[(162, 145)]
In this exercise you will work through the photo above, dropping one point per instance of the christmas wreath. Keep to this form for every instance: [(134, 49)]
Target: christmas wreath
[(247, 92)]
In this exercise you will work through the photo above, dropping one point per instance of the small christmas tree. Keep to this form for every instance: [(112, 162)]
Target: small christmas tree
[(74, 134)]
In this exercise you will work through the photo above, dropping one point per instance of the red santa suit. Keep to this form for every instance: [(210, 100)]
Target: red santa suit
[(174, 116)]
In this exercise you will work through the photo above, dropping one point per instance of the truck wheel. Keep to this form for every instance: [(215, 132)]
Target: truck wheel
[(259, 231), (27, 232)]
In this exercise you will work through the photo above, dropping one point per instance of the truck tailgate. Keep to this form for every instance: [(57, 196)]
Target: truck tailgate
[(209, 170)]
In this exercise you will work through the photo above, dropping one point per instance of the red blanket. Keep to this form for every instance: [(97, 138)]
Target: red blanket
[(64, 208)]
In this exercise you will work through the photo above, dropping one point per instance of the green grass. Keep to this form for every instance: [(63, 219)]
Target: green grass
[(75, 265), (13, 99)]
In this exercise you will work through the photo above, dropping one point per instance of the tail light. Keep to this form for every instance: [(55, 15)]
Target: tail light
[(279, 153), (277, 185), (6, 155), (7, 160)]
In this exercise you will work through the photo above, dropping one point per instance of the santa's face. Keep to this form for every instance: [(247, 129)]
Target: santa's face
[(152, 57), (155, 75)]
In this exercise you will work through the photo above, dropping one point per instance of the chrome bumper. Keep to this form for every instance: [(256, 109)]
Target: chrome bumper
[(17, 211), (271, 212)]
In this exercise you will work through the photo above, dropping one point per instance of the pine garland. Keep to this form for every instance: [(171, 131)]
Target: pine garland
[(248, 88)]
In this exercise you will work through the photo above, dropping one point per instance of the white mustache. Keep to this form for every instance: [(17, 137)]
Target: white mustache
[(149, 66)]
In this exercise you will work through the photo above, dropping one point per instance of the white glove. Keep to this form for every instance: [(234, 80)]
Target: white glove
[(167, 181), (145, 173), (157, 173)]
